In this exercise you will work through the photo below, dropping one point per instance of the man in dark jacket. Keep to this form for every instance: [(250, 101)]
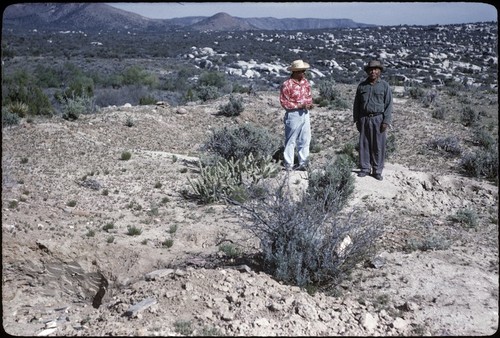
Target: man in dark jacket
[(372, 113)]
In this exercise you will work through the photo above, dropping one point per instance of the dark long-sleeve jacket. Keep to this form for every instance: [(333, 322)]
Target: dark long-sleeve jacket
[(373, 99)]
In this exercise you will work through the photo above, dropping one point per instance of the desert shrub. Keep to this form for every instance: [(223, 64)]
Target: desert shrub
[(237, 88), (206, 93), (73, 107), (483, 163), (303, 244), (390, 145), (426, 244), (416, 93), (118, 96), (48, 76), (448, 145), (233, 108), (126, 155), (351, 149), (135, 75), (172, 229), (108, 226), (184, 328), (430, 98), (133, 230), (439, 113), (466, 217), (334, 184), (329, 95), (80, 86), (167, 243), (9, 119), (21, 88), (19, 108), (469, 117), (314, 146), (230, 250), (481, 137), (212, 79), (129, 122), (147, 100), (241, 141), (327, 90)]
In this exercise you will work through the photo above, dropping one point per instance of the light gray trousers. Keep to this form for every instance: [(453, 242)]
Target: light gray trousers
[(297, 135), (372, 145)]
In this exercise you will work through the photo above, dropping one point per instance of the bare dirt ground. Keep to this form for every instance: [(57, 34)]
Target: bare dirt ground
[(67, 272)]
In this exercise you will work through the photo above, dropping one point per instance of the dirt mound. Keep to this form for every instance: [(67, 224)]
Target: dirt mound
[(85, 233)]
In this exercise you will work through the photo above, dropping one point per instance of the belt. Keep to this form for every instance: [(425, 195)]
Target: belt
[(373, 115), (296, 109)]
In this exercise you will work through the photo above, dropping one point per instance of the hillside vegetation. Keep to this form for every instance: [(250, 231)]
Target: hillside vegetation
[(144, 196)]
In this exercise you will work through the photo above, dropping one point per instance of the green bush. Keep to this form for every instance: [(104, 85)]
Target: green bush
[(483, 163), (126, 155), (212, 79), (73, 107), (448, 145), (439, 113), (19, 108), (22, 88), (233, 108), (467, 218), (80, 86), (334, 184), (133, 231), (416, 93), (241, 141), (167, 243), (304, 244), (9, 119), (147, 100), (230, 250), (206, 93), (481, 137), (469, 117), (329, 95), (135, 75)]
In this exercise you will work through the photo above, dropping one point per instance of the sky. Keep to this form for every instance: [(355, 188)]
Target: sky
[(378, 13)]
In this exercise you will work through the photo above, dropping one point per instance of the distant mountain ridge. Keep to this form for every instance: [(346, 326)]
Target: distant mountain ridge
[(102, 17)]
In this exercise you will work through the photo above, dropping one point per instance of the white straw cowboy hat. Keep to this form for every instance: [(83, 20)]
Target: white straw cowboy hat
[(374, 64), (298, 65)]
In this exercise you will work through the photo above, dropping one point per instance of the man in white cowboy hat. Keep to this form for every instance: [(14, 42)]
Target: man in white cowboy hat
[(372, 113), (296, 99)]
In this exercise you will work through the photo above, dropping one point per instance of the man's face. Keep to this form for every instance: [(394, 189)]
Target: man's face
[(373, 74), (298, 75)]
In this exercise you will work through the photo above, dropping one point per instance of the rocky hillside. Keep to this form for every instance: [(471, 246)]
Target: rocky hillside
[(102, 17), (72, 266)]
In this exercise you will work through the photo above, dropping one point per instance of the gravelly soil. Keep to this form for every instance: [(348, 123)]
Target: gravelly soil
[(63, 274)]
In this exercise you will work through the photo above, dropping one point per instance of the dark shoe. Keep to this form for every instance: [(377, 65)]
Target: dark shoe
[(301, 168), (362, 174), (378, 177)]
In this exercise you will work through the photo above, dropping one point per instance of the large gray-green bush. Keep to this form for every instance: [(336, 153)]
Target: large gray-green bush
[(303, 239)]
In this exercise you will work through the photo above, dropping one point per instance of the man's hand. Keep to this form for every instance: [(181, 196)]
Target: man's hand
[(383, 127), (308, 106)]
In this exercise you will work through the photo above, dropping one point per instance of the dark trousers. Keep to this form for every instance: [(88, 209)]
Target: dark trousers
[(372, 145)]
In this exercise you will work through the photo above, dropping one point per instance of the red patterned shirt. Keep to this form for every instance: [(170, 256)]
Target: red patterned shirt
[(294, 94)]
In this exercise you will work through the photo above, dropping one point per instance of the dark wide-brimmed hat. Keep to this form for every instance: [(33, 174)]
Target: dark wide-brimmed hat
[(298, 65), (374, 64)]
